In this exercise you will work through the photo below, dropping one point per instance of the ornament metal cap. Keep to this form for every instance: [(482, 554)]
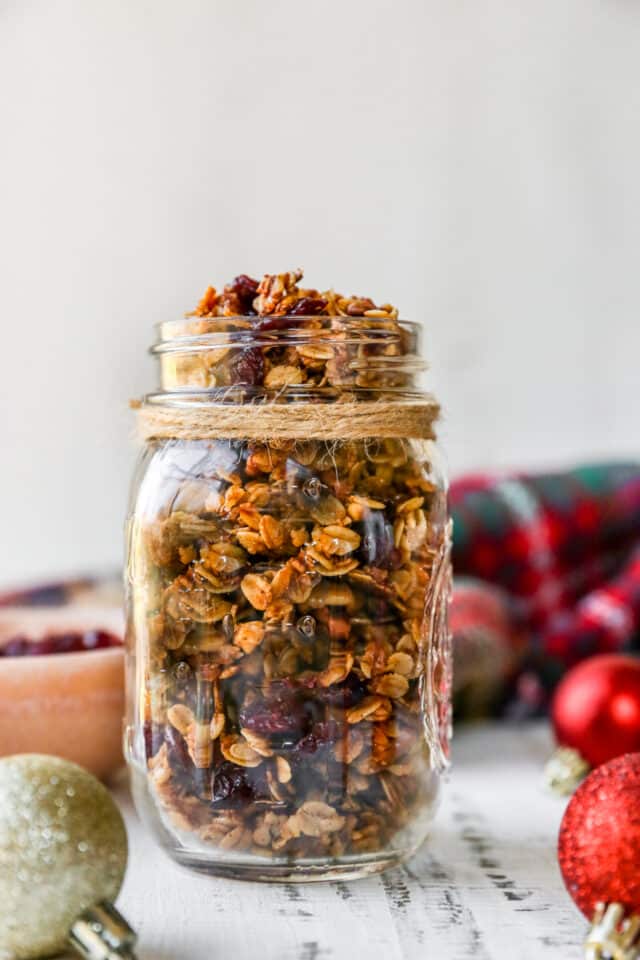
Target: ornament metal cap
[(102, 933), (565, 770), (611, 936)]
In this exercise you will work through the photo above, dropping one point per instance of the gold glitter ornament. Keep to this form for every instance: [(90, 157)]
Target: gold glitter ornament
[(63, 854)]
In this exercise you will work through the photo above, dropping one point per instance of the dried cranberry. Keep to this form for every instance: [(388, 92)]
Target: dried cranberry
[(308, 307), (70, 642), (274, 323), (246, 290), (178, 754), (378, 608), (98, 640), (345, 694), (323, 735), (284, 713), (248, 367), (232, 785), (274, 717), (16, 647)]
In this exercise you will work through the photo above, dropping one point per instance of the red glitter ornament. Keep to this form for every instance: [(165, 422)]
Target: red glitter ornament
[(596, 708), (599, 841)]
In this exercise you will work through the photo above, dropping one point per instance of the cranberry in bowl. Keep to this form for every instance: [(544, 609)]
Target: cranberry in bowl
[(61, 684)]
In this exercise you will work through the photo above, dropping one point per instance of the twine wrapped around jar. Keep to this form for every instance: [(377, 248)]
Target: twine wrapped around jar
[(292, 421)]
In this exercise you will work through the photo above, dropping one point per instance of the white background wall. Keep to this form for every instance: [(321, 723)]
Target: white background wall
[(475, 162)]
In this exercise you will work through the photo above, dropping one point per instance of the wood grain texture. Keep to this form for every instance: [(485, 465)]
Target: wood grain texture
[(486, 886)]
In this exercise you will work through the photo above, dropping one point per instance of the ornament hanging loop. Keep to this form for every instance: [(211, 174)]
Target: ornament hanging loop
[(101, 933), (611, 936)]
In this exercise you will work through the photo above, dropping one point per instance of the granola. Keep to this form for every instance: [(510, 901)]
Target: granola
[(285, 600), (273, 314)]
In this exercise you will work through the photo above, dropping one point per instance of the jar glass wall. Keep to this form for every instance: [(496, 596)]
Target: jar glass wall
[(288, 651)]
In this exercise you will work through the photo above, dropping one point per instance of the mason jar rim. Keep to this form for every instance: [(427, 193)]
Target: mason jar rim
[(174, 335)]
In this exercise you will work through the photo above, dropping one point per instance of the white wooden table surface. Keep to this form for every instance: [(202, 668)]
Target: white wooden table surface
[(486, 886)]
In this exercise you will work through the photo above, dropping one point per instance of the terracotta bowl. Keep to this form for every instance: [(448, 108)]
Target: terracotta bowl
[(67, 704)]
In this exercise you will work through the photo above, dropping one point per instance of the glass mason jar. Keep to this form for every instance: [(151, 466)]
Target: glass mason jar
[(287, 588)]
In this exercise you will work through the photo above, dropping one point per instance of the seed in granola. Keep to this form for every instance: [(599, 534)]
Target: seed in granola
[(182, 671), (307, 626), (228, 626), (283, 770), (392, 685), (312, 488), (401, 663)]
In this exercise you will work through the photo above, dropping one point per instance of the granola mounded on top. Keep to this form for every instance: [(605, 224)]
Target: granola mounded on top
[(288, 595), (273, 314)]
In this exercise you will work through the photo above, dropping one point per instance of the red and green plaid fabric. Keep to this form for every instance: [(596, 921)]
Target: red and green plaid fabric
[(565, 549)]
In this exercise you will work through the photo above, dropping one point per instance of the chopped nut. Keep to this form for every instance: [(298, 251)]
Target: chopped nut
[(249, 635)]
